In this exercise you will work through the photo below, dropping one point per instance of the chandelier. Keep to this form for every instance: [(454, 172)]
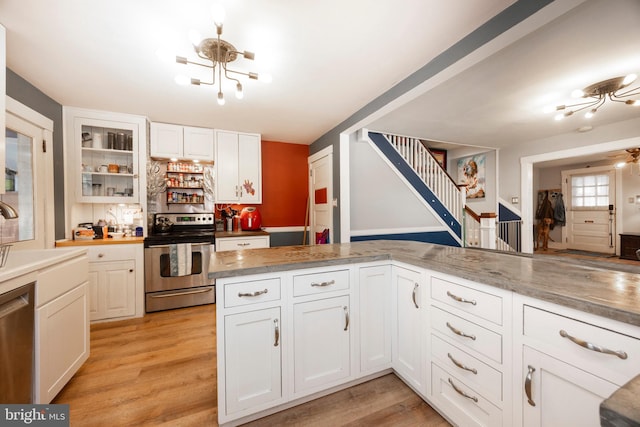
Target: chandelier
[(597, 94), (220, 53)]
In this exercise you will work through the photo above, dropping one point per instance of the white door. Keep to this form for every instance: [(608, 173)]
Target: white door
[(28, 179), (407, 323), (321, 197), (559, 394), (590, 221), (249, 169), (321, 343)]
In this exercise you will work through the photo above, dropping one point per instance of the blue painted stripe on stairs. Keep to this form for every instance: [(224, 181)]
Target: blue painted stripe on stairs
[(437, 237), (403, 167), (506, 214)]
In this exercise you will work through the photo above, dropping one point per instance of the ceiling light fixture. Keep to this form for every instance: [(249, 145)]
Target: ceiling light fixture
[(220, 53), (598, 94)]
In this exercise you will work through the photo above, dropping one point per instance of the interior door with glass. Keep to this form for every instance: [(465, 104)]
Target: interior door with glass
[(28, 184), (591, 209)]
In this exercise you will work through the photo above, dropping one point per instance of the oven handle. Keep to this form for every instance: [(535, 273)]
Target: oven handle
[(175, 294), (166, 246)]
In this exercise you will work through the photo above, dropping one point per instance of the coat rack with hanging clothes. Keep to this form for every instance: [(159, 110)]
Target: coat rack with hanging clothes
[(551, 205)]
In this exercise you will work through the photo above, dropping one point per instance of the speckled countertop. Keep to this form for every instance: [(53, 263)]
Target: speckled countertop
[(604, 292)]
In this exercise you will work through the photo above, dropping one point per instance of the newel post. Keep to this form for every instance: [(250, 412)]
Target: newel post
[(488, 230)]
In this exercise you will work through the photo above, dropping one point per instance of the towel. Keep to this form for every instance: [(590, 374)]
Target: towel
[(180, 259)]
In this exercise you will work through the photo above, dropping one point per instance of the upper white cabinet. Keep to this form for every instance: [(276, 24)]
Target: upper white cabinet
[(181, 142), (102, 149), (238, 168), (3, 89)]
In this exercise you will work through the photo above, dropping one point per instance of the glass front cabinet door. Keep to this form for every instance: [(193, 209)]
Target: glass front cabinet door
[(107, 161)]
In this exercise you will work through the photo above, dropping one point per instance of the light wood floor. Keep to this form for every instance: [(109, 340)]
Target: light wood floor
[(160, 370)]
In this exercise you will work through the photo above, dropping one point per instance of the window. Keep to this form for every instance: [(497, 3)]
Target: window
[(590, 191)]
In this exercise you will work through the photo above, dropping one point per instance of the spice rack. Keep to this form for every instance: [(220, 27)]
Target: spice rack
[(185, 184)]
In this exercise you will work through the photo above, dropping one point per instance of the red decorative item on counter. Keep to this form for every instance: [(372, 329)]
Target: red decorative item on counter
[(250, 219)]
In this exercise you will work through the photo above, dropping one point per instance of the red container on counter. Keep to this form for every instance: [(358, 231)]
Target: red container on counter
[(250, 219)]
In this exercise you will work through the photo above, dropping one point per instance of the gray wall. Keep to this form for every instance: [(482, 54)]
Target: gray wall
[(511, 16), (24, 92)]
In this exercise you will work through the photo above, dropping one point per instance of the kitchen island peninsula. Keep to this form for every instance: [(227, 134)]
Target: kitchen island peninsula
[(483, 337)]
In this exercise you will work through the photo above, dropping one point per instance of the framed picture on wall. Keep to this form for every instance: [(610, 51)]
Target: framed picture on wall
[(471, 173), (440, 156)]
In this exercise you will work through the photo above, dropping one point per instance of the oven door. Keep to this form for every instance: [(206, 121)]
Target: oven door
[(157, 268)]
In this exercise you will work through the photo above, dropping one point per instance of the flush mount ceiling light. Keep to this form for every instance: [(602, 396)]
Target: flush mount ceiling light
[(220, 53), (597, 94)]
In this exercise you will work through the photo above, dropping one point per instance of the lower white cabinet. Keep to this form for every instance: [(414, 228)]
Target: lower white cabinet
[(115, 281), (253, 359), (374, 284), (408, 332), (61, 326), (321, 342), (239, 243), (557, 393)]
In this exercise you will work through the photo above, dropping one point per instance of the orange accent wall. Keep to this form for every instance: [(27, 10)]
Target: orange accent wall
[(285, 184)]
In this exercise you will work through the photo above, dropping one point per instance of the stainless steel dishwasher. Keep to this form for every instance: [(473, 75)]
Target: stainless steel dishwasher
[(16, 345)]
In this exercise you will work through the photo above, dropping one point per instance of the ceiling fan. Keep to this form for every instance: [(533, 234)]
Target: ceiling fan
[(632, 156)]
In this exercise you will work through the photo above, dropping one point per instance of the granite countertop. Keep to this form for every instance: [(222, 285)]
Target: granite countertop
[(604, 292)]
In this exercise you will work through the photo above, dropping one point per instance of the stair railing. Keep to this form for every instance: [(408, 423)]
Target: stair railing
[(432, 174)]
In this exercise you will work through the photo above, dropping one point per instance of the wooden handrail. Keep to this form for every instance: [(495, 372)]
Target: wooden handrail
[(474, 215), (444, 169)]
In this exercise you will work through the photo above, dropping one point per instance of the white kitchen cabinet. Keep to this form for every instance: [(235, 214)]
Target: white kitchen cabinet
[(62, 326), (557, 393), (114, 291), (374, 284), (103, 153), (169, 141), (322, 343), (408, 330), (571, 362), (238, 163), (239, 243), (253, 359)]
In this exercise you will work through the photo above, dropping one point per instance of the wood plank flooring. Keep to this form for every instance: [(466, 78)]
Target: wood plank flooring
[(161, 370)]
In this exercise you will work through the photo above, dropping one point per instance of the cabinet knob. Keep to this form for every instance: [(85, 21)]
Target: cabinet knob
[(131, 270), (100, 255)]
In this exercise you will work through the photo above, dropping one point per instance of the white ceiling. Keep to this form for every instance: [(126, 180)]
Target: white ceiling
[(328, 60)]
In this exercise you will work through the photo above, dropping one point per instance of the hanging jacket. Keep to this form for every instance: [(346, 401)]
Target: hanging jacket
[(545, 208), (558, 211)]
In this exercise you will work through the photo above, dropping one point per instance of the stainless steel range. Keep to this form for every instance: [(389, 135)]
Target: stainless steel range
[(176, 261)]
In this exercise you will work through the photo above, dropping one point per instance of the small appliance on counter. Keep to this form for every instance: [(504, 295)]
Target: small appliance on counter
[(250, 218), (84, 231)]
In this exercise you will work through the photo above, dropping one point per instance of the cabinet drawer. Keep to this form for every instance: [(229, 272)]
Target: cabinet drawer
[(467, 333), (243, 293), (473, 372), (462, 404), (111, 253), (55, 281), (234, 244), (315, 283), (484, 305), (547, 328)]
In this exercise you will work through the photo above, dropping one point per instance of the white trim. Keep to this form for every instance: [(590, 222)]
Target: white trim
[(291, 229), (345, 189), (526, 178), (320, 154), (410, 230), (20, 110), (510, 206)]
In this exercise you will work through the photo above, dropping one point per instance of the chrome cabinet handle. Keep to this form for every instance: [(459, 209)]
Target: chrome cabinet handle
[(323, 284), (593, 347), (277, 333), (459, 332), (462, 393), (252, 294), (461, 366), (415, 290), (527, 385), (346, 318), (243, 244), (460, 299), (176, 294)]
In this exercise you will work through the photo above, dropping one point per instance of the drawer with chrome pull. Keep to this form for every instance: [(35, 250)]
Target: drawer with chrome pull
[(607, 354), (467, 333), (477, 374), (482, 304), (463, 404), (251, 292), (315, 283)]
